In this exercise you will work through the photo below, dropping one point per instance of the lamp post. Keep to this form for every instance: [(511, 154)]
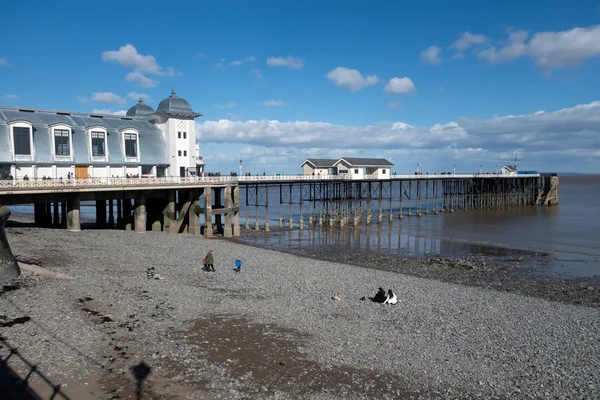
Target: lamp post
[(240, 167), (417, 168), (454, 170), (480, 169)]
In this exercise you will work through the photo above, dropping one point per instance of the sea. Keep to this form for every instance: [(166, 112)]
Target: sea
[(560, 241)]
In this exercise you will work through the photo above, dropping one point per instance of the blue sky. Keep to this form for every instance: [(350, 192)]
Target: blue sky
[(277, 81)]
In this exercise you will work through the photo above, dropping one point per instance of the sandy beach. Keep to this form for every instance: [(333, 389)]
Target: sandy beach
[(273, 331)]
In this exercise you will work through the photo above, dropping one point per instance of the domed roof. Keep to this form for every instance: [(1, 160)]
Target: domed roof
[(140, 110), (175, 105)]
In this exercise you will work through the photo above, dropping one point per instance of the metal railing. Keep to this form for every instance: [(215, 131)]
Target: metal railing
[(175, 180), (143, 181)]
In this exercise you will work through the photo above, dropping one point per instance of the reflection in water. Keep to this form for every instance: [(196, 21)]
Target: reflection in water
[(388, 242)]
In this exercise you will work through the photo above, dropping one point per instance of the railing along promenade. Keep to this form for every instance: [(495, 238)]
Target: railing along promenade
[(82, 184)]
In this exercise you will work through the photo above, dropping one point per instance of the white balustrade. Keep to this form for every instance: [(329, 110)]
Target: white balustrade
[(186, 181)]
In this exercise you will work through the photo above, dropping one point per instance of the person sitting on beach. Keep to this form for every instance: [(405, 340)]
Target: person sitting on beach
[(152, 274), (238, 264), (391, 298), (379, 296)]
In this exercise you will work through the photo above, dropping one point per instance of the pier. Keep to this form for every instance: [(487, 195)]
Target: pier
[(211, 205)]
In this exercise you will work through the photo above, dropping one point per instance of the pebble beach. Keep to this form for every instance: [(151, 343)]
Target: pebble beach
[(274, 331)]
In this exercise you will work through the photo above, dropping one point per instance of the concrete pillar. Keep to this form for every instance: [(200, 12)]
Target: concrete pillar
[(127, 214), (320, 221), (169, 214), (140, 216), (281, 222), (193, 219), (291, 223), (39, 212), (73, 214), (369, 219), (301, 223), (236, 211), (120, 224), (63, 214), (48, 215), (218, 203), (100, 214), (267, 225), (55, 218), (227, 229), (380, 218), (111, 214), (310, 220), (208, 230)]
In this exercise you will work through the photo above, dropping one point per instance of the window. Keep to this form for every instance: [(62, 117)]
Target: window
[(130, 145), (61, 142), (185, 153), (185, 135), (356, 170), (383, 171), (98, 144), (178, 135), (22, 141), (179, 153)]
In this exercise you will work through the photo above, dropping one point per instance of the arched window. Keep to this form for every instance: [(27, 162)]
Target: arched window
[(98, 137), (62, 143), (22, 140), (131, 145)]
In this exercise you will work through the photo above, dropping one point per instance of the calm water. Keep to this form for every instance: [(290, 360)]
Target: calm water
[(563, 240)]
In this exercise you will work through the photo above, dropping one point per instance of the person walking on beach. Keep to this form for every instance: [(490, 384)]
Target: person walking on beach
[(238, 264), (209, 261)]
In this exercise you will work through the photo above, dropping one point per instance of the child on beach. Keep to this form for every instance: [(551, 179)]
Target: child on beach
[(238, 264), (152, 274)]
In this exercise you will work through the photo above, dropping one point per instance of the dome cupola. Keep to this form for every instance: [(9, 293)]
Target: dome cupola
[(140, 110), (175, 106)]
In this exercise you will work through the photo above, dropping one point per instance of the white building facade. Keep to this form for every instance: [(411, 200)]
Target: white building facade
[(56, 144), (355, 168)]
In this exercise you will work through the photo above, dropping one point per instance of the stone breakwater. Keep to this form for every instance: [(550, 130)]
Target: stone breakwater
[(273, 330)]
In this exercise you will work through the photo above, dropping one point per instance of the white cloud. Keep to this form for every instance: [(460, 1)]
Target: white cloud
[(255, 73), (289, 61), (274, 103), (3, 62), (140, 79), (136, 96), (105, 97), (231, 104), (566, 48), (431, 55), (549, 50), (201, 56), (394, 105), (467, 40), (221, 63), (242, 61), (128, 56), (109, 112), (351, 79), (540, 137), (8, 97), (400, 86), (515, 48)]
